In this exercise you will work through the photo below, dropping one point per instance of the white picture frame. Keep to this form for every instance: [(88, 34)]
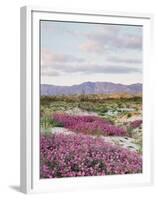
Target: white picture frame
[(30, 181)]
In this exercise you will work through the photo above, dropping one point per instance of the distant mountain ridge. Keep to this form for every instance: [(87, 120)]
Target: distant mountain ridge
[(91, 88)]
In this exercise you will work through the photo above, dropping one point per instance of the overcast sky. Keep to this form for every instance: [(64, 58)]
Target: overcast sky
[(72, 53)]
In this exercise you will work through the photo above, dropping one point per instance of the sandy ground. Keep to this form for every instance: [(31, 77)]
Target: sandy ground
[(124, 142), (57, 130), (77, 111)]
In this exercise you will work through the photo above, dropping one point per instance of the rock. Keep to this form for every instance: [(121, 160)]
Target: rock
[(57, 130)]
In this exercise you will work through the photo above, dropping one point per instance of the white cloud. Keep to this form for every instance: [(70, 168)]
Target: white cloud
[(49, 57), (110, 51), (92, 46), (93, 68), (112, 36)]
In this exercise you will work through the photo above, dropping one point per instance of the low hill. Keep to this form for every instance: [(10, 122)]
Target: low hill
[(91, 88)]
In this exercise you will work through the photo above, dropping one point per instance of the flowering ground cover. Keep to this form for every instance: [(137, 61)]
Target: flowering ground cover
[(89, 125), (136, 123), (68, 143), (82, 155)]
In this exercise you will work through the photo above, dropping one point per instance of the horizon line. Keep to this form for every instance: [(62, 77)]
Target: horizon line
[(92, 82)]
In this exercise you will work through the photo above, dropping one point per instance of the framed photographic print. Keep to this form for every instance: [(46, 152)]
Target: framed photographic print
[(85, 93)]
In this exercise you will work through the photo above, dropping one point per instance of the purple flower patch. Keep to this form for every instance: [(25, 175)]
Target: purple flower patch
[(92, 125), (136, 123), (82, 155)]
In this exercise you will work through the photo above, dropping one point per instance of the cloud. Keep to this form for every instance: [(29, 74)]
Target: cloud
[(114, 37), (54, 64), (127, 60), (77, 52), (92, 46), (117, 50), (128, 41), (49, 57), (50, 73), (93, 69)]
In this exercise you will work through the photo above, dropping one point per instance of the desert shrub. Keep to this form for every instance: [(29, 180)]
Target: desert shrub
[(129, 115)]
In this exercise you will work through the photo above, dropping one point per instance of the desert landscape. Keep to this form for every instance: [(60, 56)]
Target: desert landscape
[(91, 91), (94, 131)]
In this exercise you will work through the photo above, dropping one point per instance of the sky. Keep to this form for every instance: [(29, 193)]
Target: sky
[(74, 52)]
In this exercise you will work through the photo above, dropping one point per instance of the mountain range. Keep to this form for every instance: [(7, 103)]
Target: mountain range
[(91, 88)]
